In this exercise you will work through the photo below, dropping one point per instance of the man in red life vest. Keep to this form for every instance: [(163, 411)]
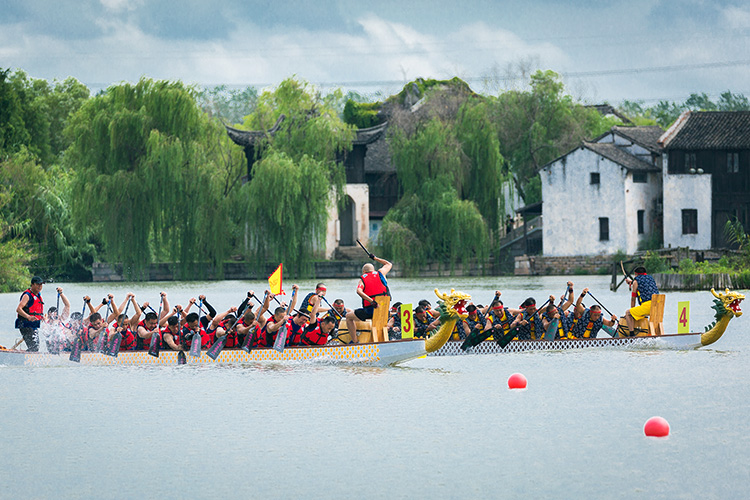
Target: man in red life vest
[(30, 312), (274, 323), (222, 325), (371, 284), (150, 325), (317, 333), (170, 334)]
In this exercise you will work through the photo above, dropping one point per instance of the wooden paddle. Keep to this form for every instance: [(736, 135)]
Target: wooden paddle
[(77, 347), (283, 332), (155, 344)]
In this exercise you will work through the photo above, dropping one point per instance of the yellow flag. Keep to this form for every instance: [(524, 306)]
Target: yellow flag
[(274, 281)]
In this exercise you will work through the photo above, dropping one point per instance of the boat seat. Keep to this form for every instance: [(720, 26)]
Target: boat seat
[(654, 323)]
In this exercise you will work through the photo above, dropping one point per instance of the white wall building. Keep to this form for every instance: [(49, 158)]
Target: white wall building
[(603, 196)]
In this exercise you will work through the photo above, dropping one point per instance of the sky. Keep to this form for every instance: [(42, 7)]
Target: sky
[(645, 50)]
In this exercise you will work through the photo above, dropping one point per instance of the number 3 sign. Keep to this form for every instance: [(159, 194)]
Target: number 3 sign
[(407, 322), (683, 317)]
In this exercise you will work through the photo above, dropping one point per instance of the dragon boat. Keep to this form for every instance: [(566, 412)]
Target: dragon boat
[(649, 336), (381, 353)]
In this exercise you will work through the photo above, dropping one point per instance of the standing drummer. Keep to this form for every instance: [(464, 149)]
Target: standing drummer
[(30, 312)]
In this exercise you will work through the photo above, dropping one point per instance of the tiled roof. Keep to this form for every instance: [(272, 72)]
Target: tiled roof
[(617, 155), (647, 136), (246, 138), (709, 130)]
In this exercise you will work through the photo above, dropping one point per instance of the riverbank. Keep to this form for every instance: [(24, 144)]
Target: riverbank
[(113, 273)]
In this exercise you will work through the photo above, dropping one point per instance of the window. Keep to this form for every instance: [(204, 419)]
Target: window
[(733, 163), (690, 162), (594, 178), (640, 177), (603, 228), (689, 221), (641, 215)]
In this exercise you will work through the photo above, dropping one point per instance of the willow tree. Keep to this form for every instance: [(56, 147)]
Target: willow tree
[(298, 175), (142, 182), (431, 221)]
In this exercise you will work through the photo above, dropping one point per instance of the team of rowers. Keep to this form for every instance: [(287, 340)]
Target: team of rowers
[(253, 325)]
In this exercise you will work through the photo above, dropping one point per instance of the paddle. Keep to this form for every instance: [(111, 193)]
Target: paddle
[(75, 350), (181, 360), (155, 345), (280, 341), (476, 337), (505, 340), (214, 351), (369, 253), (101, 340), (248, 345), (195, 343)]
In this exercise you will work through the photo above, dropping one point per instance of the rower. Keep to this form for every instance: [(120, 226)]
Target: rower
[(474, 322), (296, 325), (126, 326), (192, 328), (222, 325), (422, 324), (55, 324), (642, 287), (311, 303), (170, 334), (317, 333), (591, 319), (371, 284), (394, 322), (273, 324), (150, 324), (30, 312), (527, 321)]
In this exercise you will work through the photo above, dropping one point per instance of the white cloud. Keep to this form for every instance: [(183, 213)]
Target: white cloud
[(737, 18)]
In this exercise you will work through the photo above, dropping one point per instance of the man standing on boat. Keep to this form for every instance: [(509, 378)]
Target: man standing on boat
[(30, 312), (371, 284), (642, 287)]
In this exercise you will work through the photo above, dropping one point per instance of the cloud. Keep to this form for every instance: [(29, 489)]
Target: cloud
[(737, 18)]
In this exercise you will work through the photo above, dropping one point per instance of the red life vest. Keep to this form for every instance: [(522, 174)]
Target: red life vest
[(142, 344), (267, 338), (313, 336), (34, 306), (232, 340), (206, 338), (373, 286), (175, 337), (128, 342), (295, 333)]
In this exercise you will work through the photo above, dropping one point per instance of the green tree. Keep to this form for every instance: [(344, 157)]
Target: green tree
[(143, 182), (14, 253), (298, 176), (538, 125)]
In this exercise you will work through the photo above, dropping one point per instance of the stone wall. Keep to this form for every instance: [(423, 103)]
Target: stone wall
[(578, 264)]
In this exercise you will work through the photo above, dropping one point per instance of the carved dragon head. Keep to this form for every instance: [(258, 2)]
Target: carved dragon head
[(727, 303), (452, 305)]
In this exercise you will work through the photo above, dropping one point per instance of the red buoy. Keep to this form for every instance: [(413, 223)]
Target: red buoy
[(517, 381), (656, 427)]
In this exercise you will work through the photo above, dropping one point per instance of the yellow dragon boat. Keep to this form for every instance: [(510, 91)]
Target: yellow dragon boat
[(726, 305), (381, 353)]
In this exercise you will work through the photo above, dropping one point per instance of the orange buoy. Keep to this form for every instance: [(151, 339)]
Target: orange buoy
[(517, 381), (656, 427)]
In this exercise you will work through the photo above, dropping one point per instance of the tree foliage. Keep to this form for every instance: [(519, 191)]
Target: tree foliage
[(230, 105), (15, 253), (144, 175), (439, 154), (536, 126), (664, 113), (299, 174)]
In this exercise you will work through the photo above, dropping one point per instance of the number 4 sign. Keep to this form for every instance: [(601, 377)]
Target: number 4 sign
[(407, 321), (683, 317)]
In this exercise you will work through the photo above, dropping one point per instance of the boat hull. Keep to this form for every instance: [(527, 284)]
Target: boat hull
[(374, 354), (678, 341)]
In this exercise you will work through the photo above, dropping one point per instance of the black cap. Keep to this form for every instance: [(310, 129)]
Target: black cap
[(36, 280)]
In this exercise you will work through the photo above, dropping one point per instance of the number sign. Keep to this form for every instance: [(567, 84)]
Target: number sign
[(683, 317), (407, 321)]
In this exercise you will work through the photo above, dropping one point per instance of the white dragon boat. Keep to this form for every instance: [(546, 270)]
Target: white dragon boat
[(726, 305), (370, 353)]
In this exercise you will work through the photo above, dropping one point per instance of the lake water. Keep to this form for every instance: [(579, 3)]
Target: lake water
[(438, 427)]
